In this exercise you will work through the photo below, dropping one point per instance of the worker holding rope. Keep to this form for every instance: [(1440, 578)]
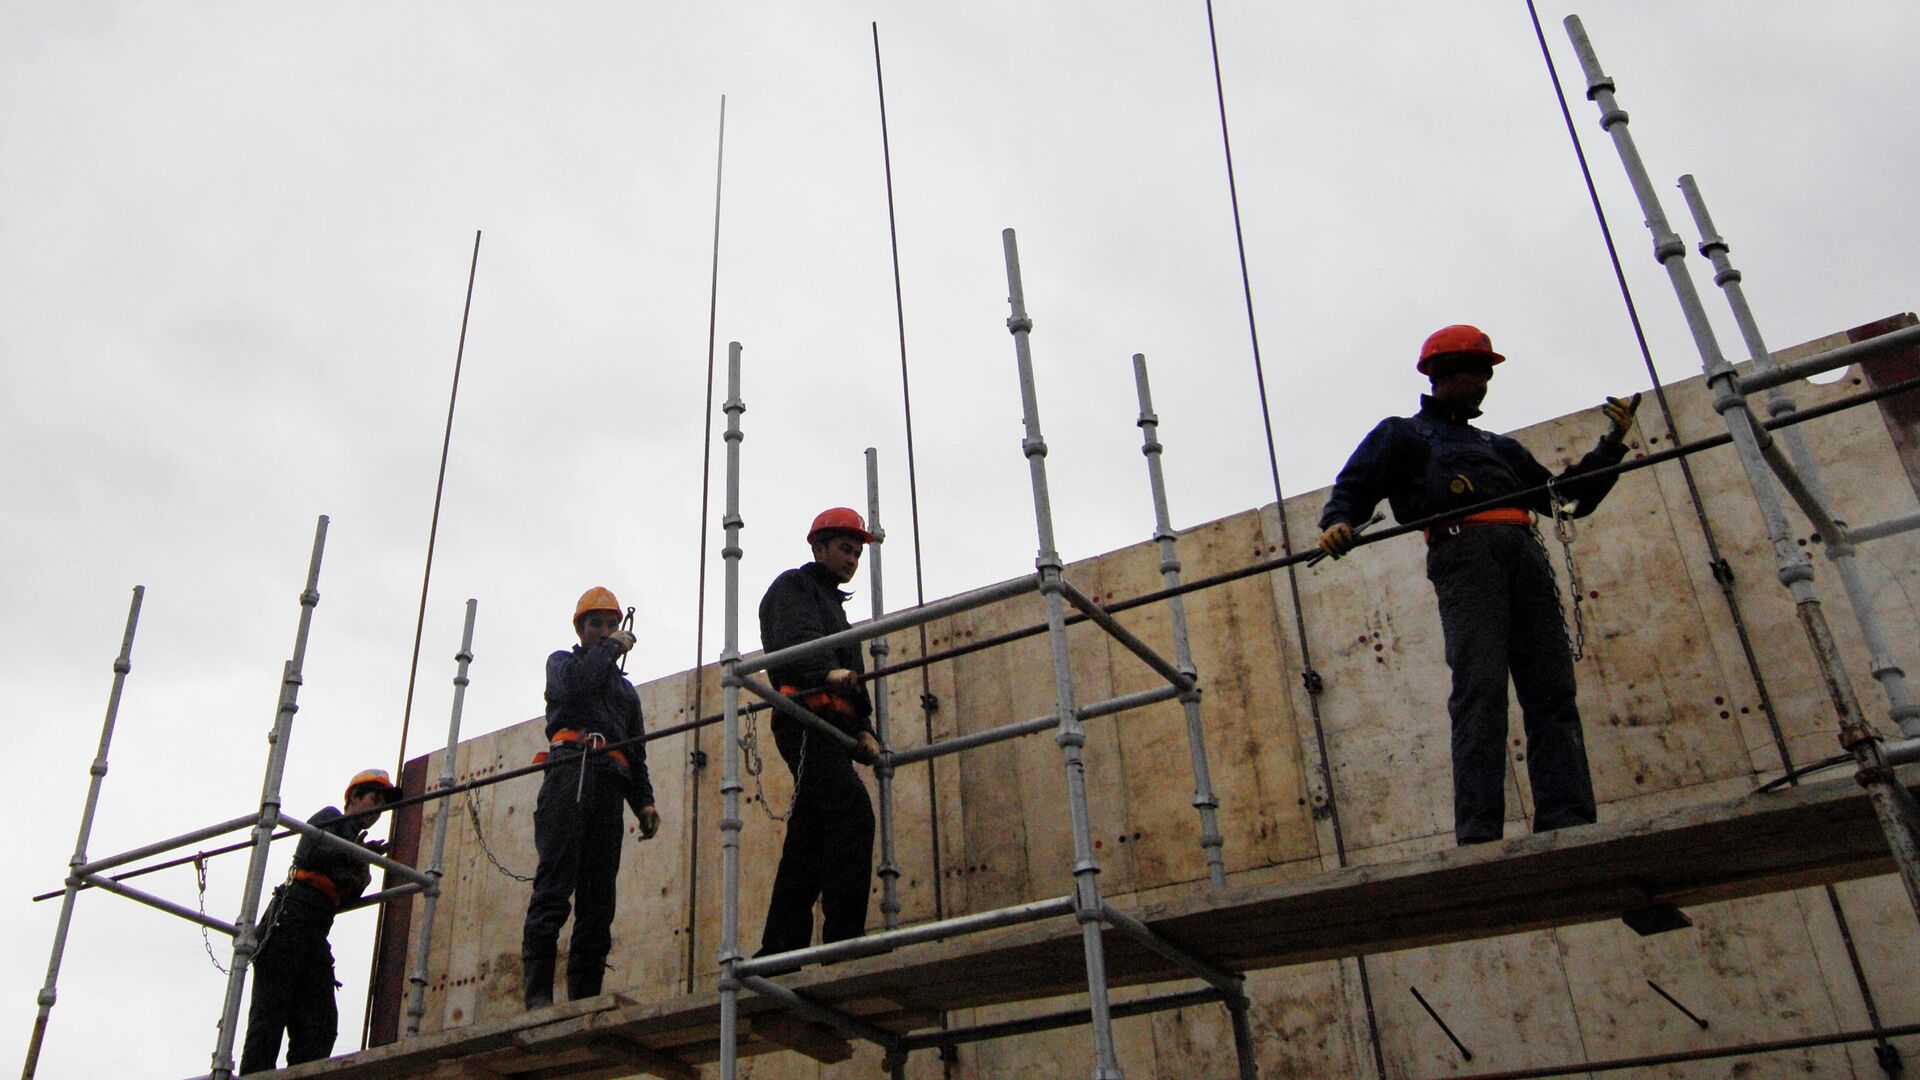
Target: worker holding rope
[(578, 824), (828, 853), (293, 969), (1499, 604)]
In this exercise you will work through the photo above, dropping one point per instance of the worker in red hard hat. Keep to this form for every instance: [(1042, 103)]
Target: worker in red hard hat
[(577, 824), (1499, 603), (828, 853), (293, 963)]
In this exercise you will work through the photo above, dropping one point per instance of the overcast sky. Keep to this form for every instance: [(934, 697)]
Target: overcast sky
[(234, 241)]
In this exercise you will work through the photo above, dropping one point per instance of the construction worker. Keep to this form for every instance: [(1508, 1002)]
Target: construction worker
[(828, 854), (293, 967), (1499, 603), (577, 824)]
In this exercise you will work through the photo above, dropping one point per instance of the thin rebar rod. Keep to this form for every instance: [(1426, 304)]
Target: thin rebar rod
[(1711, 1054), (1880, 530), (97, 775), (384, 895), (417, 995), (796, 711), (728, 955), (1716, 562), (1204, 800), (152, 901), (889, 870), (1053, 1021), (1774, 375), (1127, 638), (1817, 502), (889, 940), (913, 482), (1894, 806), (1310, 678), (201, 856), (845, 1023), (244, 941), (1072, 735), (697, 755), (887, 624), (439, 488), (358, 852), (1034, 726)]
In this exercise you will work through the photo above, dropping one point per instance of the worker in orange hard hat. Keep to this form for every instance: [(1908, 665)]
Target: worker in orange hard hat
[(293, 964), (593, 769), (828, 853), (1499, 603)]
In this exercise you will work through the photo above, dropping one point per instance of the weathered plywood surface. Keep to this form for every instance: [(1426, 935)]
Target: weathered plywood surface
[(1673, 717)]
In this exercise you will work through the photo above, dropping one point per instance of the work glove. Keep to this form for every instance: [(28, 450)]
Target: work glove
[(1619, 413), (868, 751), (649, 822), (622, 640), (842, 679), (1337, 540), (378, 847)]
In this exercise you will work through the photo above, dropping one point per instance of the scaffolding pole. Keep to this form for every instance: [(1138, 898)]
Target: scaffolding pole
[(1072, 735), (417, 995), (878, 648), (1204, 800), (1839, 539), (49, 991), (1893, 805), (244, 941)]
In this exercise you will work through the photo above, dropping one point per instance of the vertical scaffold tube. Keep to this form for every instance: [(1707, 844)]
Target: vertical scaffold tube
[(1893, 804), (730, 785), (244, 939), (417, 995), (122, 664), (1072, 735), (1839, 548), (883, 769), (1204, 799)]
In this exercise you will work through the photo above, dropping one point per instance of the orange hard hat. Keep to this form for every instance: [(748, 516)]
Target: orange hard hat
[(594, 599), (1457, 340), (839, 519), (374, 778)]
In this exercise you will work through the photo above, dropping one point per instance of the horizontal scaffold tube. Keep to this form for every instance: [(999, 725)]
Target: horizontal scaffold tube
[(153, 901), (888, 940), (183, 840), (1842, 356), (822, 1014), (788, 707), (1735, 1050), (384, 895), (1125, 637), (348, 847), (1225, 981), (1880, 530), (1038, 724), (905, 619), (1053, 1021)]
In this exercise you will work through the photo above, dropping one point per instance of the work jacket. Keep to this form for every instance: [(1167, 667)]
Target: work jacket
[(801, 605), (586, 693), (1435, 461), (324, 877)]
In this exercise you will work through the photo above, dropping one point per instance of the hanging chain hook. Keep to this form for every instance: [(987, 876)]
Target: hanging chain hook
[(1563, 531)]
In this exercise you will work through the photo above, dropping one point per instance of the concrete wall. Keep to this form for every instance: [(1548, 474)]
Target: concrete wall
[(1673, 716)]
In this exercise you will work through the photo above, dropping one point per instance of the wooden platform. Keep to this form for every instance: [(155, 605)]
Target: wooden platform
[(1816, 834)]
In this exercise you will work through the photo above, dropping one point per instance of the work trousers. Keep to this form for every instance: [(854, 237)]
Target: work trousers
[(828, 854), (1500, 611), (292, 988), (577, 830)]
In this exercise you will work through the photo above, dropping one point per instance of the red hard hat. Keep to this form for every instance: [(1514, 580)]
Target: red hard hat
[(1456, 340), (839, 519)]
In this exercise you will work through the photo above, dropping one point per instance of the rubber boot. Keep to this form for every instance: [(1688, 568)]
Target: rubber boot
[(584, 979), (536, 973)]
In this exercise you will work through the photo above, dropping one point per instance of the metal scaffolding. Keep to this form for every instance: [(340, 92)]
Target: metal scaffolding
[(1763, 461), (264, 824), (1084, 904)]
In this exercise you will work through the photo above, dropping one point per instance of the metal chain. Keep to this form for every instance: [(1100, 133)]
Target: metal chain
[(200, 873), (1563, 532), (473, 814), (750, 746)]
